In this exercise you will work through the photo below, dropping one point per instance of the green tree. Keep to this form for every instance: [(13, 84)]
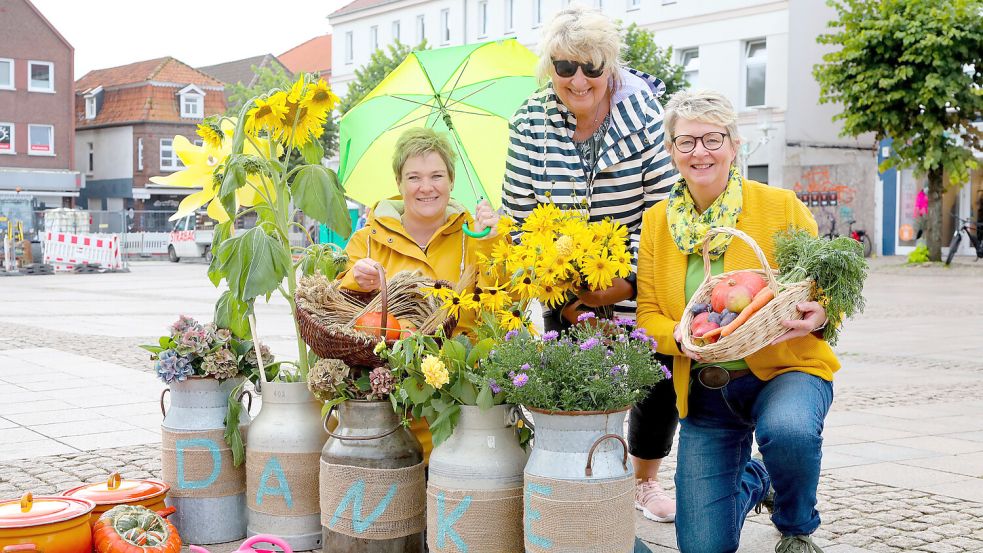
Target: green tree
[(642, 53), (910, 70), (270, 78), (380, 65)]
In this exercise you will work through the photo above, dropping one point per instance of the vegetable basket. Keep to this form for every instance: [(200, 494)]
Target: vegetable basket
[(763, 326), (326, 314)]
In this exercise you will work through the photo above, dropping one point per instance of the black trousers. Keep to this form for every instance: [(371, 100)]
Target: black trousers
[(653, 420)]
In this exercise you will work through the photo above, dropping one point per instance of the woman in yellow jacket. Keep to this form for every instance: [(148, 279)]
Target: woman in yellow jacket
[(423, 230), (779, 395)]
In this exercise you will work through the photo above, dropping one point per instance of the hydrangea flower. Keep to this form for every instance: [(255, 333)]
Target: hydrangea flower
[(221, 364), (381, 380), (172, 366), (183, 323)]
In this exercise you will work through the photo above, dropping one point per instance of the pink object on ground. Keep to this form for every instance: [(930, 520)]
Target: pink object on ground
[(247, 546), (921, 203)]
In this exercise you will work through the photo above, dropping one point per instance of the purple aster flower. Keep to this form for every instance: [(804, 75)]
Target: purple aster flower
[(622, 338), (624, 321), (589, 343), (525, 367), (495, 388), (551, 335), (585, 316), (665, 372), (616, 370), (511, 374), (511, 334), (520, 380), (640, 334)]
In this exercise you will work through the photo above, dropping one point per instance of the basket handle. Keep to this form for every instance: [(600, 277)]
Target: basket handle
[(772, 283), (384, 291), (324, 423), (589, 471)]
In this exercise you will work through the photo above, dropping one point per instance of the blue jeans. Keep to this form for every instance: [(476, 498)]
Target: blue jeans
[(717, 482)]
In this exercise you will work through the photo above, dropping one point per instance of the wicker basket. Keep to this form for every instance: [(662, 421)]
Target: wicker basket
[(328, 327), (763, 326)]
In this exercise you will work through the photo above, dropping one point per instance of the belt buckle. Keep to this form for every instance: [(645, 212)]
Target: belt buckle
[(713, 377)]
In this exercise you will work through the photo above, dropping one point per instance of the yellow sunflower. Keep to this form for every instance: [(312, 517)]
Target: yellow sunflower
[(211, 133), (494, 298), (320, 98), (269, 114), (439, 290), (511, 319), (453, 306), (300, 125), (505, 226), (542, 219), (599, 271), (552, 295), (525, 288)]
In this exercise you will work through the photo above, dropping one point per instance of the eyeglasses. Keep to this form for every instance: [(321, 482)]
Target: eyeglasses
[(711, 141), (568, 68)]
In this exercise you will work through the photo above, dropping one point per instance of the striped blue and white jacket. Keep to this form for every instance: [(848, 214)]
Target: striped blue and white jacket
[(633, 171)]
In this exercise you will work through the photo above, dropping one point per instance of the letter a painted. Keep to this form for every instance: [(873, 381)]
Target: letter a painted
[(273, 469), (533, 515), (355, 495), (445, 522), (180, 446)]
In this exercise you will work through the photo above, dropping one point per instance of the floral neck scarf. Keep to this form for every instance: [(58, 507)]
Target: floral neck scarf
[(689, 227)]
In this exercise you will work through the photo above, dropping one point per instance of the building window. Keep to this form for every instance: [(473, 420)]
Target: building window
[(373, 38), (139, 154), (90, 107), (192, 106), (41, 76), (755, 61), (7, 138), (41, 140), (349, 46), (599, 4), (758, 173), (690, 60), (92, 157), (169, 160), (6, 74), (634, 4), (421, 29), (396, 31), (445, 26), (509, 16), (483, 18), (537, 13)]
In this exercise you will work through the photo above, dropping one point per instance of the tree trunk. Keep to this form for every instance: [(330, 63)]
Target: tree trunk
[(933, 219)]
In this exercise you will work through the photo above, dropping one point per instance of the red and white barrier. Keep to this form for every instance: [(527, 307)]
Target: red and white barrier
[(66, 251)]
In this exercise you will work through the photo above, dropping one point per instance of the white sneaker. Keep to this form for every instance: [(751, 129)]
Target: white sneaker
[(653, 501)]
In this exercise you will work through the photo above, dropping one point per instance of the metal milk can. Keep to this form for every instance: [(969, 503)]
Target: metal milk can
[(579, 485), (207, 490), (475, 484), (373, 494), (282, 459)]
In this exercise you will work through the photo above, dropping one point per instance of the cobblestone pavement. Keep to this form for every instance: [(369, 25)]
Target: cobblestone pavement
[(881, 372)]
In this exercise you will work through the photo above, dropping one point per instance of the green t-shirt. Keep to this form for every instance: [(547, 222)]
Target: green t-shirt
[(694, 277)]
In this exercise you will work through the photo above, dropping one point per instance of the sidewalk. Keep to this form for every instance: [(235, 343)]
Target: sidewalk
[(903, 452)]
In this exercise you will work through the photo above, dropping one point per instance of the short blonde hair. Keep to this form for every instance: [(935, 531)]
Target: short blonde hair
[(705, 106), (582, 34), (420, 141)]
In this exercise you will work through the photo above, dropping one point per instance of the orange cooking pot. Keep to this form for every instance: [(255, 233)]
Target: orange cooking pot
[(49, 524), (122, 491)]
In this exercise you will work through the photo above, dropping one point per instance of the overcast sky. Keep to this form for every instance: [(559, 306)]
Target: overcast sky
[(107, 33)]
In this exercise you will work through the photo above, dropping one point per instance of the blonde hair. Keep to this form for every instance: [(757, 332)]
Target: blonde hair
[(582, 34), (705, 106), (420, 141)]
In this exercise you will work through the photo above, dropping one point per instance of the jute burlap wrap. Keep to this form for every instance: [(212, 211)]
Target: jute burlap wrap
[(197, 464), (490, 523), (579, 516), (363, 503), (288, 482)]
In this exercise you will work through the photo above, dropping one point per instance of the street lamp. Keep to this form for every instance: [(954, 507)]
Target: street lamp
[(764, 125)]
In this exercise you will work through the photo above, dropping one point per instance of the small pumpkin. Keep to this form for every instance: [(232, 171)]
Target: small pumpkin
[(371, 323), (134, 529)]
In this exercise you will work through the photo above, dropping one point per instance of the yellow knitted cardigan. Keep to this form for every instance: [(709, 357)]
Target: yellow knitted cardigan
[(661, 285)]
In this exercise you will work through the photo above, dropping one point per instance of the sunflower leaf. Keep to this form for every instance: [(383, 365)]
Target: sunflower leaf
[(313, 152), (222, 232), (318, 194), (231, 313), (234, 179), (254, 264)]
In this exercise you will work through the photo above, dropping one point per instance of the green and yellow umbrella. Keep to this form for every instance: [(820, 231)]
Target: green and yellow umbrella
[(469, 92)]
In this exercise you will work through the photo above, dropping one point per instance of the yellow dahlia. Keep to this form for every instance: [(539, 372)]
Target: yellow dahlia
[(434, 371)]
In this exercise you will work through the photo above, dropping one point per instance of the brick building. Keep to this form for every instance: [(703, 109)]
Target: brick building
[(37, 104), (127, 118)]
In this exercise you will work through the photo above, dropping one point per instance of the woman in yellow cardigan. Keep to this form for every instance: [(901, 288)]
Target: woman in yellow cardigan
[(779, 395)]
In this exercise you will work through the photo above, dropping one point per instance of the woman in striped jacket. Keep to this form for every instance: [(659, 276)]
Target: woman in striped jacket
[(591, 139)]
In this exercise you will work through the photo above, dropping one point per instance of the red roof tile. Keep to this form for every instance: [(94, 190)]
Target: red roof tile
[(168, 70), (146, 103), (313, 56)]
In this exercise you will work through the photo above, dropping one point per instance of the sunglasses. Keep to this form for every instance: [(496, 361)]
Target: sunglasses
[(568, 68)]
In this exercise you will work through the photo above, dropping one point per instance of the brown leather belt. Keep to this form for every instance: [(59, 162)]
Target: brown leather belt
[(715, 377)]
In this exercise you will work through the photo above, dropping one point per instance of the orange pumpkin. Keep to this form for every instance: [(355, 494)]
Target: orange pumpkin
[(371, 324), (135, 529)]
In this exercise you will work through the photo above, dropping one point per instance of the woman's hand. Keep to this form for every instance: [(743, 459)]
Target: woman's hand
[(620, 290), (678, 336), (814, 319), (485, 217), (366, 274)]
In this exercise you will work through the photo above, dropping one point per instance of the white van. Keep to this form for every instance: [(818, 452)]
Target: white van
[(191, 237)]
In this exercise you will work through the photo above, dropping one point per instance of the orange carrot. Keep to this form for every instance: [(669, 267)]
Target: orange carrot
[(759, 300), (710, 336)]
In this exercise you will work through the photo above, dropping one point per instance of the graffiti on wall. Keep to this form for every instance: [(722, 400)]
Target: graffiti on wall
[(827, 197)]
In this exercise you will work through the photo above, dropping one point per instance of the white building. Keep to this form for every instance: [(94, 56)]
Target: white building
[(760, 53)]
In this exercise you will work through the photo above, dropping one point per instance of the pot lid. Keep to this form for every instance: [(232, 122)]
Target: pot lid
[(35, 511), (118, 490)]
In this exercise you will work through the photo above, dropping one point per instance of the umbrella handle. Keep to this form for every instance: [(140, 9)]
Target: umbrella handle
[(474, 234)]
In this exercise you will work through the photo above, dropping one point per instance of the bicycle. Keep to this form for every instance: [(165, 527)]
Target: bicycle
[(859, 235), (971, 229)]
